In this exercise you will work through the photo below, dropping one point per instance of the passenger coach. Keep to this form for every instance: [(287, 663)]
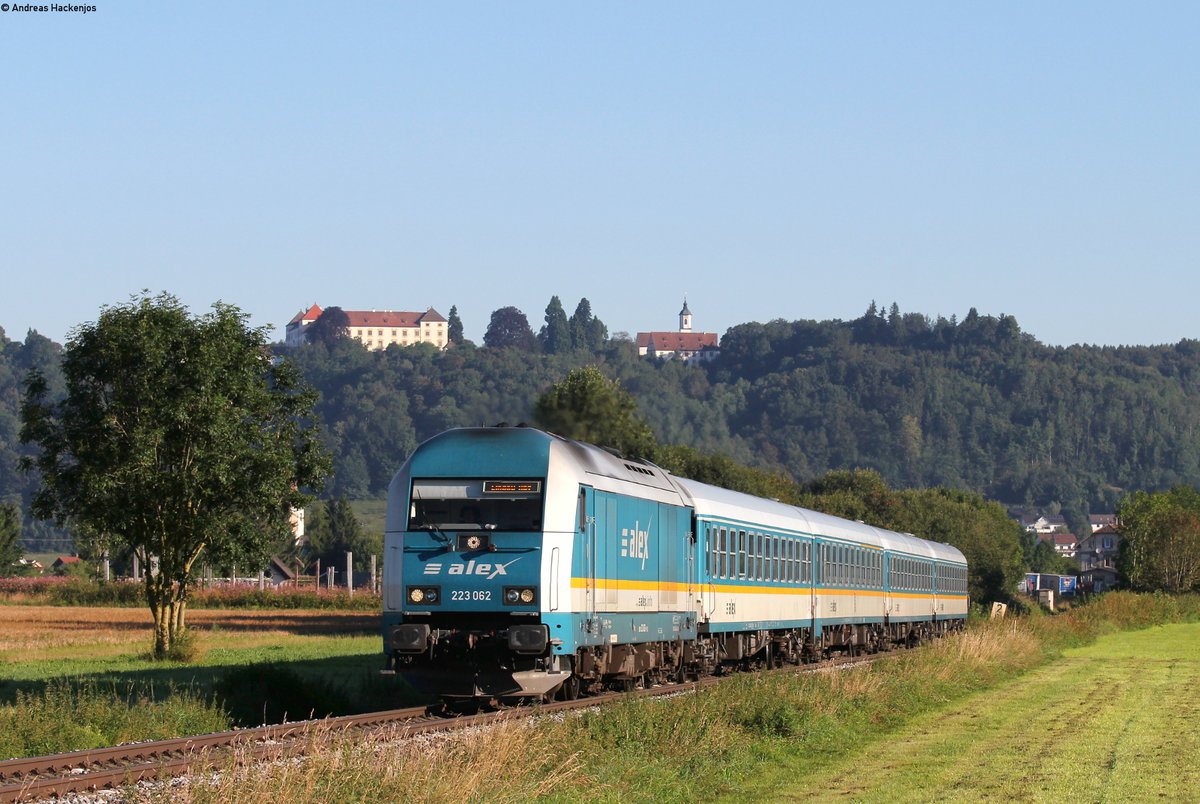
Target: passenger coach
[(520, 563)]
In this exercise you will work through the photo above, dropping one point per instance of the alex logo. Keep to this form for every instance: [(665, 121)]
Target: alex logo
[(487, 570), (635, 543)]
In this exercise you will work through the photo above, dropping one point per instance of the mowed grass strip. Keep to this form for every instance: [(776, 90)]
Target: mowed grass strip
[(1112, 722)]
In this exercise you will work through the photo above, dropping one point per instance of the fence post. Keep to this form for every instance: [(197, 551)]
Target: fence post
[(329, 579), (350, 573), (374, 584)]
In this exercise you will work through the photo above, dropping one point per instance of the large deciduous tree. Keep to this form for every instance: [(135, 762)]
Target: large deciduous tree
[(587, 406), (180, 438), (331, 326), (1160, 540), (509, 327)]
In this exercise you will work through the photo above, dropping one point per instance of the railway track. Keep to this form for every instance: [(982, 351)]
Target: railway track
[(77, 772)]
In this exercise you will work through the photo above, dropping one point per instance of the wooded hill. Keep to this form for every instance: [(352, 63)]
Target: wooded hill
[(974, 404)]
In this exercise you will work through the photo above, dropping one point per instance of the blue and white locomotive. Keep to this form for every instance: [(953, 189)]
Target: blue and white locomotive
[(522, 564)]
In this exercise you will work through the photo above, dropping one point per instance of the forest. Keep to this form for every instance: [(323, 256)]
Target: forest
[(974, 405)]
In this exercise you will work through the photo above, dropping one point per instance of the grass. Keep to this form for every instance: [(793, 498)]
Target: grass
[(254, 667), (1115, 721), (758, 736)]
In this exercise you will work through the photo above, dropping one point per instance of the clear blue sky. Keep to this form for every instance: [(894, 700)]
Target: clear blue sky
[(770, 160)]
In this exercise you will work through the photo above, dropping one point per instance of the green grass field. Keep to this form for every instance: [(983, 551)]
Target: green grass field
[(1112, 722), (74, 678)]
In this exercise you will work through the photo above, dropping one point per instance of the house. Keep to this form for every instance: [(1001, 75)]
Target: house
[(1099, 579), (1099, 549), (1098, 521), (1047, 523), (377, 329), (691, 347), (62, 562), (1065, 544)]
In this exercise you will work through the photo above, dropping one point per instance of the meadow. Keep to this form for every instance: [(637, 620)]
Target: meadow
[(90, 667)]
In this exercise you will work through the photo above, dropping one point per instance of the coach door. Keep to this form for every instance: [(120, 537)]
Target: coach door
[(711, 543), (585, 564)]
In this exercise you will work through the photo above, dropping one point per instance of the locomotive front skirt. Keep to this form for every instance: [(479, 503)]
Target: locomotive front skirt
[(519, 563)]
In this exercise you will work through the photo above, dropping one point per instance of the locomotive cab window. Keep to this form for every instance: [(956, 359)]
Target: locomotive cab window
[(476, 504)]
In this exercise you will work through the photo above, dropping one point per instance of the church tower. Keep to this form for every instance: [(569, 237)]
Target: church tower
[(685, 317)]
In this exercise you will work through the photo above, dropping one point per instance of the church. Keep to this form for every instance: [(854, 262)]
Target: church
[(691, 347)]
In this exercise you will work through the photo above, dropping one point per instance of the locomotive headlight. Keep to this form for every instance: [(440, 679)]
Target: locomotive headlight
[(520, 595), (473, 542), (427, 595)]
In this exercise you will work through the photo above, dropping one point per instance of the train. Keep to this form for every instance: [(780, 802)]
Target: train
[(519, 564)]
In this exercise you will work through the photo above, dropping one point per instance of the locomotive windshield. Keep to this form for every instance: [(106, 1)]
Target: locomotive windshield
[(476, 504)]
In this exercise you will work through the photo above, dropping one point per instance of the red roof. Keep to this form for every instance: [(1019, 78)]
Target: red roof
[(391, 318), (311, 314), (1064, 539), (679, 341)]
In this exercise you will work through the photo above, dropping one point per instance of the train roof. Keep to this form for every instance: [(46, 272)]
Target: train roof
[(713, 501)]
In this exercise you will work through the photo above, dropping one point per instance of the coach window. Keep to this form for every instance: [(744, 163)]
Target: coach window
[(741, 554)]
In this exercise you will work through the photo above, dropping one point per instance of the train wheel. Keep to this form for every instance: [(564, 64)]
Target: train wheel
[(569, 690)]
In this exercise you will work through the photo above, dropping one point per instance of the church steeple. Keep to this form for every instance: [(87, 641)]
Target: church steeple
[(685, 317)]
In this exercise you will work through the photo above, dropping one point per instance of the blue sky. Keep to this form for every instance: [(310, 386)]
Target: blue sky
[(790, 160)]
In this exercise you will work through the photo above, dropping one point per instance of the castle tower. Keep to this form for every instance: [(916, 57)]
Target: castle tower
[(685, 317)]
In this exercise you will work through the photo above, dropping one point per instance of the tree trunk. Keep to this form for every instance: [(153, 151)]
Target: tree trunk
[(168, 604)]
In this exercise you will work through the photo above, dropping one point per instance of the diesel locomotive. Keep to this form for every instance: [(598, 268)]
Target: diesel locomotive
[(520, 564)]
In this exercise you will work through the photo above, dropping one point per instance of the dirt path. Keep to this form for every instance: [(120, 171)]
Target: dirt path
[(1115, 722)]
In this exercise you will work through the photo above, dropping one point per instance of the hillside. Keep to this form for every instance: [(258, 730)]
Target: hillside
[(973, 404)]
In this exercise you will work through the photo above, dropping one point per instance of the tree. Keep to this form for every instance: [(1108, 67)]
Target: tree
[(509, 327), (333, 530), (556, 334), (587, 331), (454, 327), (1160, 547), (10, 538), (331, 325), (587, 406), (178, 437)]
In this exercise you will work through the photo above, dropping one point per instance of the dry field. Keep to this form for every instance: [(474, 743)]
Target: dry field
[(34, 633)]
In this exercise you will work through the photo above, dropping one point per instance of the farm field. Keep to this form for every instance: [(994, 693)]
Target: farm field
[(46, 641), (1115, 721)]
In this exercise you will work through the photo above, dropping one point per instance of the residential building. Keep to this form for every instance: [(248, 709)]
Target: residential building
[(1064, 544), (1098, 559), (1100, 548), (378, 329), (691, 347)]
